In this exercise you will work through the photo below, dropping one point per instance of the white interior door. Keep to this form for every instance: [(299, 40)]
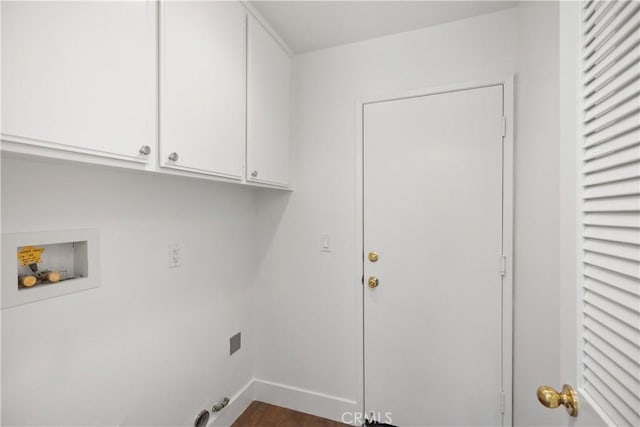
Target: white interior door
[(600, 239), (433, 212)]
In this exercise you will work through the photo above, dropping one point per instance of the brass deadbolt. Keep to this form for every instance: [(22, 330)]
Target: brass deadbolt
[(373, 256), (373, 282), (550, 398)]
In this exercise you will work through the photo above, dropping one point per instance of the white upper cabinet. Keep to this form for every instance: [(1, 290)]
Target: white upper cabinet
[(203, 87), (79, 77), (197, 88), (268, 104)]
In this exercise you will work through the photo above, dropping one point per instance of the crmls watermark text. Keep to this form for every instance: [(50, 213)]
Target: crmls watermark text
[(358, 418)]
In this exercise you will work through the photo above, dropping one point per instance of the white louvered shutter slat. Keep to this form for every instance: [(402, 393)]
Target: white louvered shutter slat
[(615, 113), (601, 107), (625, 125), (616, 375), (615, 189), (617, 55), (601, 324), (588, 5), (625, 141), (613, 293), (629, 219), (613, 372), (594, 27), (622, 315), (612, 279), (608, 74), (617, 204), (620, 39), (596, 373), (601, 396), (615, 355), (615, 19), (600, 15), (628, 252), (601, 90), (628, 171), (613, 234), (610, 360)]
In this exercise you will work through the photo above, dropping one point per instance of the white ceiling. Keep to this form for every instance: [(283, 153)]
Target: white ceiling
[(312, 25)]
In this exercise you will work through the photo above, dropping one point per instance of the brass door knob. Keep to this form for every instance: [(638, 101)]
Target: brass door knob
[(373, 256), (373, 282), (550, 398)]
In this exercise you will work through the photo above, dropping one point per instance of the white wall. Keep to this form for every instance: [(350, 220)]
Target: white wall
[(306, 333), (307, 337), (150, 346), (537, 235)]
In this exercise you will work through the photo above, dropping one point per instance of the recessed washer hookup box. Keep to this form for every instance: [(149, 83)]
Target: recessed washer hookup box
[(47, 264)]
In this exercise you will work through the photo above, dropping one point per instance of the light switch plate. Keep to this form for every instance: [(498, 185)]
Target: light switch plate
[(325, 243)]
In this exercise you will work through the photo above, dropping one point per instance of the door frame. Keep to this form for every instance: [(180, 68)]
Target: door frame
[(507, 82)]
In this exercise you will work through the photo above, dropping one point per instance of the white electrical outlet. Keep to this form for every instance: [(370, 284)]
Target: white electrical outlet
[(174, 256)]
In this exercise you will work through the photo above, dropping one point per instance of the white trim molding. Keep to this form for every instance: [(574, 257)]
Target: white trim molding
[(236, 406), (308, 401)]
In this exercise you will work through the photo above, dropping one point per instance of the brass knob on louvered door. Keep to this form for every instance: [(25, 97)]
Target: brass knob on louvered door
[(373, 282), (550, 398)]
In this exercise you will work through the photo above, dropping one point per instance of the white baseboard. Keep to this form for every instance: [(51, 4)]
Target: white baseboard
[(237, 404), (311, 402)]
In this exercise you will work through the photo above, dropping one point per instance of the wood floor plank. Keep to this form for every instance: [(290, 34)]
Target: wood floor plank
[(260, 414), (252, 415)]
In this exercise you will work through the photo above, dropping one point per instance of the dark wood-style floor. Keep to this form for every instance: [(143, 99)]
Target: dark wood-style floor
[(260, 414)]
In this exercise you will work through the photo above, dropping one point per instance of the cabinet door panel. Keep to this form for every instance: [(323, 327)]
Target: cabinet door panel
[(268, 118), (80, 76), (203, 86)]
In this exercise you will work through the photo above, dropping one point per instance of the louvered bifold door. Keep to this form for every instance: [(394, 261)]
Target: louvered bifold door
[(611, 205)]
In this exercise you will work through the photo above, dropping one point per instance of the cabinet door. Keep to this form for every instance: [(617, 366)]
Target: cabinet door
[(80, 76), (203, 87), (268, 116)]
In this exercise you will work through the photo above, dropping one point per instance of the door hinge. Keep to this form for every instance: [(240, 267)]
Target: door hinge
[(504, 126), (502, 402), (503, 265)]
